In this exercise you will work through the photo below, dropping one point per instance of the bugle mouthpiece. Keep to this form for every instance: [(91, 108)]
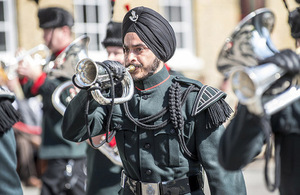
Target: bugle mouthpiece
[(130, 68)]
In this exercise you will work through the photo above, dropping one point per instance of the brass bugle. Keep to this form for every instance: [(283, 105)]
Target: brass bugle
[(90, 74), (87, 72)]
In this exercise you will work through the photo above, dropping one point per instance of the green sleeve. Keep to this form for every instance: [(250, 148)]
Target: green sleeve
[(10, 181), (74, 125), (221, 181), (242, 140)]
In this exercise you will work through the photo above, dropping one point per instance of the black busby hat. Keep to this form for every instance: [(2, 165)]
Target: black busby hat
[(294, 22), (113, 35), (53, 17)]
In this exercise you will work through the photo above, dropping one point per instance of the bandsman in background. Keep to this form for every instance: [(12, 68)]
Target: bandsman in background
[(249, 131), (66, 160), (10, 181), (103, 175)]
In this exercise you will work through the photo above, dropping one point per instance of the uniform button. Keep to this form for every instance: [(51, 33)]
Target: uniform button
[(145, 97), (148, 172), (172, 131), (147, 146)]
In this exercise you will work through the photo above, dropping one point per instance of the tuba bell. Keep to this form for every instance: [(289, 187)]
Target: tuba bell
[(64, 64), (264, 89)]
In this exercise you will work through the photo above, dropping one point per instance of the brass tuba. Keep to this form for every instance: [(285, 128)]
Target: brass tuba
[(64, 64), (264, 89)]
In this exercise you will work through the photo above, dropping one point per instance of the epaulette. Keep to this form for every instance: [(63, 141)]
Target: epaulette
[(6, 94), (187, 81), (212, 100), (209, 99), (8, 115)]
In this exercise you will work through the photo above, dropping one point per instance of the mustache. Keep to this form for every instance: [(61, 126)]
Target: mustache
[(135, 65)]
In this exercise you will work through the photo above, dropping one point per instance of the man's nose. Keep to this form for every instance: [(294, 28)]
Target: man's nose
[(111, 56), (131, 57)]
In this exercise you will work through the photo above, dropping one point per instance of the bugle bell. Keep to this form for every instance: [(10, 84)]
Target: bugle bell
[(89, 74)]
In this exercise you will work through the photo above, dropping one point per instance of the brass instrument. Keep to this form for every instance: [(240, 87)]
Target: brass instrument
[(58, 105), (39, 54), (89, 74), (64, 64), (256, 86), (111, 153)]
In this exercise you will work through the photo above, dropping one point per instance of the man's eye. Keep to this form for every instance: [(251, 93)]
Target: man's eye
[(125, 50), (139, 49)]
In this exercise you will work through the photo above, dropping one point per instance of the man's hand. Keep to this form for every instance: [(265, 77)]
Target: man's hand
[(73, 91), (286, 59), (116, 67), (28, 67)]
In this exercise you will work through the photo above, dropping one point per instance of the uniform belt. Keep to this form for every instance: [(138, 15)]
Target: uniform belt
[(174, 187)]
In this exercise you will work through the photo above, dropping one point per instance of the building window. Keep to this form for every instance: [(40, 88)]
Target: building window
[(91, 18), (179, 14), (8, 41)]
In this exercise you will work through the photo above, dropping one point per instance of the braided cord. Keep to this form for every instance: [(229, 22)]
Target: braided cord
[(176, 100), (175, 103), (149, 119)]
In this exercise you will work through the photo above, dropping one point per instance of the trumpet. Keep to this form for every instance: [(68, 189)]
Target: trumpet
[(32, 55), (89, 74)]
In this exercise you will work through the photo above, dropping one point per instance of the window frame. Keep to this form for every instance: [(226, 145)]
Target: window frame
[(96, 29), (9, 27), (185, 26)]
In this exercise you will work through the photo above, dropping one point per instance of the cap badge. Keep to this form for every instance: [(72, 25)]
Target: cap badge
[(133, 16)]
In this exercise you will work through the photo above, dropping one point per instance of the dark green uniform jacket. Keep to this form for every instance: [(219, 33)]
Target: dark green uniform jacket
[(244, 138), (53, 145), (156, 155), (103, 176), (9, 179)]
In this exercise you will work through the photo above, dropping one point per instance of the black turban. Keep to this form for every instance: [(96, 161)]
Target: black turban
[(153, 29), (53, 17), (294, 22), (113, 35)]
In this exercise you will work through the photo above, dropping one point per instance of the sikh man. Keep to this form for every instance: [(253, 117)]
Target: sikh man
[(169, 131)]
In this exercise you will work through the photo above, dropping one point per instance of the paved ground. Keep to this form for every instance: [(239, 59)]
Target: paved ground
[(254, 178), (253, 173)]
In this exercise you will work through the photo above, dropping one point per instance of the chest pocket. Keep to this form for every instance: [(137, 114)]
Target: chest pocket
[(125, 135), (166, 147), (168, 151), (176, 154)]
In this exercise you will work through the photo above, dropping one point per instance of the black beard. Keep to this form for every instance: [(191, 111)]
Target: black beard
[(153, 68)]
